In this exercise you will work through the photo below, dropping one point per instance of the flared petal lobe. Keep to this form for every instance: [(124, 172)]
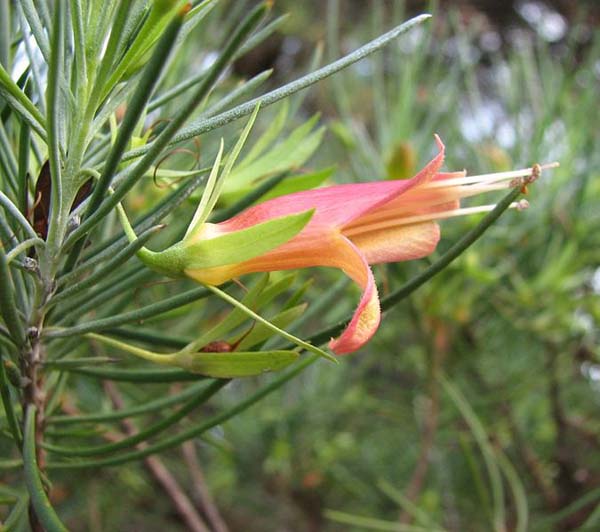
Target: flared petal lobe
[(396, 244), (333, 250), (367, 315)]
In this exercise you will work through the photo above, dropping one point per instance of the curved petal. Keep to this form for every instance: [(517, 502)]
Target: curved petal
[(395, 244), (332, 250), (367, 315)]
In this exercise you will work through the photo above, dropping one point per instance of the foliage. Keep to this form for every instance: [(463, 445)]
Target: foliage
[(473, 408)]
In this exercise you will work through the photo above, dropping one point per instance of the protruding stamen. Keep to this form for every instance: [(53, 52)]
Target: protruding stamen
[(533, 173), (522, 205), (429, 217)]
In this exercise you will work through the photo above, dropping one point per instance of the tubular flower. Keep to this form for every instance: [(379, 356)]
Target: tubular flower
[(351, 227)]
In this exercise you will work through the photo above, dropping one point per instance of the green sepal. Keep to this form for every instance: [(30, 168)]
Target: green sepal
[(230, 248), (234, 364), (242, 245)]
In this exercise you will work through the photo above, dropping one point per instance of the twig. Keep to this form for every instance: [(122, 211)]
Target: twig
[(201, 493)]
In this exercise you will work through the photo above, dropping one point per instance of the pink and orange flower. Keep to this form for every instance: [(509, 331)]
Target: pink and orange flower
[(354, 226)]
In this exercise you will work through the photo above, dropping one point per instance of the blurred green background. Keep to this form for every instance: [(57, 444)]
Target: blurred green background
[(475, 407), (476, 403)]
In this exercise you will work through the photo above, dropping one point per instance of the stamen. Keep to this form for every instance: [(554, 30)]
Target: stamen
[(429, 217), (533, 173)]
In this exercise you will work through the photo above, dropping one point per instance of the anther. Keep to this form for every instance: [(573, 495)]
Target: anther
[(536, 172)]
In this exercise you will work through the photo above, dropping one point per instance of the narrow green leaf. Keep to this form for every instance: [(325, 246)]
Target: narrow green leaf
[(202, 211), (5, 33), (109, 254), (518, 492), (107, 269), (24, 246), (7, 465), (96, 32), (55, 112), (156, 148), (7, 403), (31, 13), (152, 336), (143, 435), (235, 318), (420, 516), (260, 333), (39, 500), (267, 138), (231, 160), (370, 523), (21, 104), (17, 515), (8, 306), (23, 163), (14, 212), (245, 88), (167, 205), (242, 90), (297, 341), (192, 432), (135, 109), (8, 162), (203, 125), (215, 182), (77, 24), (33, 71), (289, 154), (130, 317), (121, 284), (82, 362), (148, 376), (159, 21), (158, 405), (262, 34)]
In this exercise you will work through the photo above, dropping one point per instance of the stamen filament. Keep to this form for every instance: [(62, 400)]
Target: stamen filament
[(429, 217), (486, 178)]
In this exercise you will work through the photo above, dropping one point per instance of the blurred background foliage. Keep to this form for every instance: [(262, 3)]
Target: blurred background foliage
[(475, 405)]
